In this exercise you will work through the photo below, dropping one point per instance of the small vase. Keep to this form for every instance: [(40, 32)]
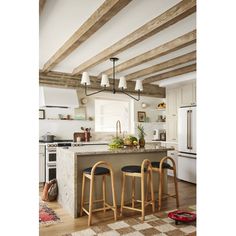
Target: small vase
[(141, 142)]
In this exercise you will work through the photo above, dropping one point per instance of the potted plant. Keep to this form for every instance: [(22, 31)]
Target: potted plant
[(141, 135)]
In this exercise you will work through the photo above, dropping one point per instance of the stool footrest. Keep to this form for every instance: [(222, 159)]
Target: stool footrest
[(100, 200), (100, 209), (168, 195), (85, 210), (148, 203), (132, 208)]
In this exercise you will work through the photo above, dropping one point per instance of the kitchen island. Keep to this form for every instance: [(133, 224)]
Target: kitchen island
[(71, 162)]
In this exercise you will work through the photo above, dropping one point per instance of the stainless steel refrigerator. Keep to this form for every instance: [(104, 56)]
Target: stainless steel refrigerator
[(187, 149)]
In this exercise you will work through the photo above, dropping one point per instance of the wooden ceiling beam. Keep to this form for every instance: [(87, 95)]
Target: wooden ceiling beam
[(169, 17), (102, 15), (169, 74), (188, 57), (171, 46), (41, 5), (58, 79)]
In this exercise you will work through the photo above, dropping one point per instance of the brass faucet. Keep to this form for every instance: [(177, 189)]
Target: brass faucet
[(118, 128)]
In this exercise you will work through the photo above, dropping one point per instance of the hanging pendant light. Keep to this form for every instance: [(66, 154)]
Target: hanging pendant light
[(105, 83), (122, 83)]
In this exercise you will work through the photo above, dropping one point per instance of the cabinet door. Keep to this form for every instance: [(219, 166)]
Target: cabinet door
[(194, 94), (171, 131), (41, 168), (41, 163), (171, 98), (187, 95)]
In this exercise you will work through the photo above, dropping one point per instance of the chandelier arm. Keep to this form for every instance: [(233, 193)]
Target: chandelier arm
[(137, 99), (86, 93)]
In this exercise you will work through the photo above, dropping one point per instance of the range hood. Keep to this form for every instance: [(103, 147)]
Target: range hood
[(57, 97)]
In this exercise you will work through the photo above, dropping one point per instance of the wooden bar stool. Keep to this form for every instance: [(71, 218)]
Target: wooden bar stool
[(160, 167), (138, 171), (90, 173)]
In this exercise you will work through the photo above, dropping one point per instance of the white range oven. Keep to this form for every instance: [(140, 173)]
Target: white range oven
[(51, 161), (51, 157)]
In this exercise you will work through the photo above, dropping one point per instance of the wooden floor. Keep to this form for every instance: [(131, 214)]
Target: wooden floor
[(187, 196)]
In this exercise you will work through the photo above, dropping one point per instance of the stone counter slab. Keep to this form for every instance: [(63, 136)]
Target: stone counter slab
[(105, 150)]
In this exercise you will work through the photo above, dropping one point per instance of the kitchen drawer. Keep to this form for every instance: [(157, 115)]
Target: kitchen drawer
[(187, 169)]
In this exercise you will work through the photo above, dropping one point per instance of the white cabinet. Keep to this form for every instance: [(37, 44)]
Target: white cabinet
[(184, 95), (172, 104), (171, 99), (194, 93), (171, 128), (41, 163), (188, 94), (173, 155), (172, 96)]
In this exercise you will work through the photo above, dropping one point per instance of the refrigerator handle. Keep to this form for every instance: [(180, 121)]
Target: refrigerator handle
[(187, 129), (190, 130)]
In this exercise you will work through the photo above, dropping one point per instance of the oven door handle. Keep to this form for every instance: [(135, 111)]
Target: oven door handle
[(52, 164)]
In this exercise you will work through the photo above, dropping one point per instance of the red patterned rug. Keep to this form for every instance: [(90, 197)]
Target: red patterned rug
[(47, 215)]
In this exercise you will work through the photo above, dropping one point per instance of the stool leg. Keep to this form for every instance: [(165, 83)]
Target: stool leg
[(133, 190), (91, 200), (113, 196), (160, 190), (152, 192), (122, 194), (143, 197), (104, 192), (176, 188), (82, 196), (148, 187)]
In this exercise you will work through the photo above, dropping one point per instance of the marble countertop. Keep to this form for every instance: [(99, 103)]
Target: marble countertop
[(104, 149)]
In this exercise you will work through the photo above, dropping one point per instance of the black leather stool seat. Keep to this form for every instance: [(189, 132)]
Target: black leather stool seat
[(132, 169), (98, 171), (156, 164)]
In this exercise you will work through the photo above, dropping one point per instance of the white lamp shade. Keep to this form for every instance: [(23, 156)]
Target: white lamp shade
[(105, 81), (139, 85), (122, 83), (85, 78)]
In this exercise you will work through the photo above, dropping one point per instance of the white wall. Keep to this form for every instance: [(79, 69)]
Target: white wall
[(64, 129)]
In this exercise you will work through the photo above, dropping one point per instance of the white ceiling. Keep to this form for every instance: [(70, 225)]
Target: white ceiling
[(60, 19)]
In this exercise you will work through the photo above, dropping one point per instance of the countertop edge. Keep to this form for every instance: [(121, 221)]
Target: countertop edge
[(116, 152)]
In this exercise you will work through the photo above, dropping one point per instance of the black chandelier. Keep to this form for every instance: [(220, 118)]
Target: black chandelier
[(105, 83)]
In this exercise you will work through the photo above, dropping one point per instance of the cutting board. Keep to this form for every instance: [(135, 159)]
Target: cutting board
[(79, 134)]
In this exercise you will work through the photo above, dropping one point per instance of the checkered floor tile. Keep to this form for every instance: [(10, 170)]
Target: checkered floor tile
[(156, 224)]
